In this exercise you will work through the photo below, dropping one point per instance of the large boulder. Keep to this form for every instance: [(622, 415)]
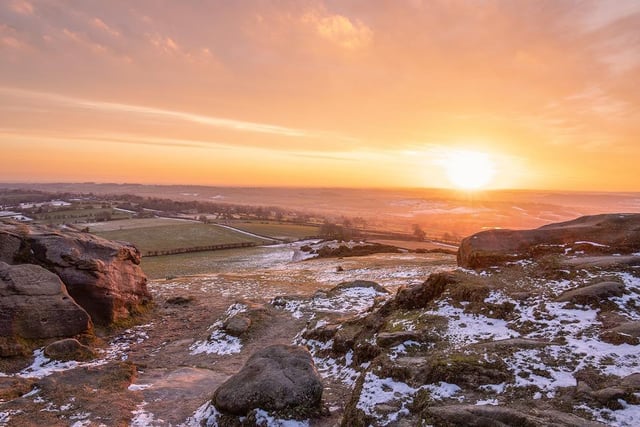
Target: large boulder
[(103, 276), (596, 234), (35, 305), (279, 378)]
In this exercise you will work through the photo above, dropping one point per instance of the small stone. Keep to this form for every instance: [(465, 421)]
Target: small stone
[(237, 325), (69, 349)]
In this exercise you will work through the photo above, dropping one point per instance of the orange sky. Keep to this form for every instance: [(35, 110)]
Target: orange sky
[(320, 93)]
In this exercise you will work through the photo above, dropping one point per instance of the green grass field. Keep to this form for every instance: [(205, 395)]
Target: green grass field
[(276, 230), (71, 216), (127, 224), (177, 235)]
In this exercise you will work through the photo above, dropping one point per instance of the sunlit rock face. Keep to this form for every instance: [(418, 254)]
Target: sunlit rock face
[(279, 378), (35, 305), (102, 276), (595, 234)]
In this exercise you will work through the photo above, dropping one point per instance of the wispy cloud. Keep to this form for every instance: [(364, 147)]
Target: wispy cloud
[(338, 29), (114, 107)]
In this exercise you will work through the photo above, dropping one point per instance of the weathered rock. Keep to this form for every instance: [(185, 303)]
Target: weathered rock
[(104, 277), (12, 387), (418, 296), (323, 333), (501, 416), (625, 333), (35, 305), (604, 261), (631, 382), (388, 339), (601, 234), (609, 396), (358, 284), (237, 325), (592, 294), (69, 349), (278, 378)]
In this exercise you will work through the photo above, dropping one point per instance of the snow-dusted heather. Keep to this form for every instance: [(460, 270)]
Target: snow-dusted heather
[(206, 415), (340, 369), (443, 390), (263, 418), (5, 416), (495, 388), (219, 342), (469, 328), (348, 301), (628, 416), (121, 344), (81, 418), (403, 324), (620, 360), (42, 366), (142, 418), (483, 402), (526, 366), (401, 349), (376, 390), (138, 387)]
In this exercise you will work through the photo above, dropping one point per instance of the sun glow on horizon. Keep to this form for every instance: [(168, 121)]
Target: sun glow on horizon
[(469, 170)]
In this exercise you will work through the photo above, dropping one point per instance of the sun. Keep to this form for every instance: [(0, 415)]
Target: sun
[(469, 170)]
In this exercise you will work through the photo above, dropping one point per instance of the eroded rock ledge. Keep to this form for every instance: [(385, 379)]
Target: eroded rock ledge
[(104, 277), (595, 235)]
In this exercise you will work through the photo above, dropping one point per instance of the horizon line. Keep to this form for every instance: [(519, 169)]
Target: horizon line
[(294, 187)]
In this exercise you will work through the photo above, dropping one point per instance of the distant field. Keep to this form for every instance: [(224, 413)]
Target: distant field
[(71, 216), (277, 230), (127, 224), (177, 235)]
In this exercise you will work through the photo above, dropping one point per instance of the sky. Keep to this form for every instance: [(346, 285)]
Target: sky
[(544, 94)]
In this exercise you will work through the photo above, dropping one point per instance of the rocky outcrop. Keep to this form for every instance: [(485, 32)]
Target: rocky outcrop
[(487, 415), (102, 276), (35, 305), (278, 378), (596, 234), (418, 296), (592, 294)]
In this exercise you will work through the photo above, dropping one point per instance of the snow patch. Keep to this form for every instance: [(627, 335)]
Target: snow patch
[(142, 418), (468, 328), (264, 419), (220, 342), (206, 415), (376, 391)]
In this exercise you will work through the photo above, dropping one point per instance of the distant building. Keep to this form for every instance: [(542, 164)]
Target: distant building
[(52, 203), (14, 216)]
